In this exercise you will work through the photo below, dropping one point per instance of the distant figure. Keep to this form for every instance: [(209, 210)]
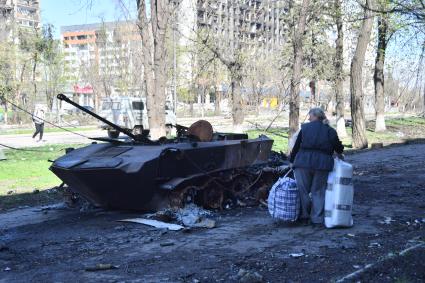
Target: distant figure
[(312, 161), (38, 119)]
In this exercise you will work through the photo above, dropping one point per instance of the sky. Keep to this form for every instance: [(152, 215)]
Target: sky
[(76, 12)]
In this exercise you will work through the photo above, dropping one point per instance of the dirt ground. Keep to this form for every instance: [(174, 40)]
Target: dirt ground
[(57, 245)]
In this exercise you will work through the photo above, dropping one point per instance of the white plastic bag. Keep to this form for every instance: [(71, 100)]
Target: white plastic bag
[(339, 196), (284, 201)]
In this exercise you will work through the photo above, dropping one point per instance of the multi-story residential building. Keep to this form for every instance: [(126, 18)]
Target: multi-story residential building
[(105, 56), (253, 27), (79, 43), (248, 24), (18, 14)]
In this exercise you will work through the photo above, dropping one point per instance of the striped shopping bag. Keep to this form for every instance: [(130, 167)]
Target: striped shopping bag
[(284, 201)]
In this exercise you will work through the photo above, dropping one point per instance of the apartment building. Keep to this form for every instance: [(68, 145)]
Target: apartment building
[(105, 56), (16, 14), (249, 24)]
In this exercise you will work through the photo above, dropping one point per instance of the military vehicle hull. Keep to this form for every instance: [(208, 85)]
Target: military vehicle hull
[(129, 175)]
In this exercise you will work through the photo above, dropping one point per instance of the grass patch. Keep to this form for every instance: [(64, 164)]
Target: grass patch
[(410, 121), (395, 126), (46, 130), (25, 171), (25, 176), (279, 135)]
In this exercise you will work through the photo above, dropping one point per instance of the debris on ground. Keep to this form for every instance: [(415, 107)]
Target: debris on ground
[(190, 216), (154, 223), (60, 205), (374, 245), (167, 244), (194, 216), (101, 266), (246, 238), (295, 255), (387, 220), (247, 276)]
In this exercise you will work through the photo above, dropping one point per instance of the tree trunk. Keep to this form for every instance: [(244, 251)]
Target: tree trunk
[(34, 71), (339, 73), (313, 97), (294, 104), (237, 102), (160, 15), (356, 73), (5, 117), (257, 103), (217, 103), (153, 32), (378, 76), (191, 110)]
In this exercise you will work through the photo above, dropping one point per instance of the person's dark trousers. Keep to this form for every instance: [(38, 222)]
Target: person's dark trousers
[(39, 129), (314, 182)]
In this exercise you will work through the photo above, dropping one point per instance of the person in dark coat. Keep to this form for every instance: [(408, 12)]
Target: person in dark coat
[(312, 160)]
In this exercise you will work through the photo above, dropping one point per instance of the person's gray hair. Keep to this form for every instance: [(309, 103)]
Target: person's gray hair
[(319, 114)]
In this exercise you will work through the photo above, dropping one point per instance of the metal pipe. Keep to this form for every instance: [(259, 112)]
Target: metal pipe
[(62, 97)]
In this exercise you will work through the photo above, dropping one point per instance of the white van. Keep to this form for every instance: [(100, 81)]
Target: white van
[(130, 113)]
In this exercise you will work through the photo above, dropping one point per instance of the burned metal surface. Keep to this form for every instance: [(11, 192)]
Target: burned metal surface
[(144, 174), (128, 176)]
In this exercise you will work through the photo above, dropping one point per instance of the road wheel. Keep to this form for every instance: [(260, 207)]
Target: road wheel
[(113, 134)]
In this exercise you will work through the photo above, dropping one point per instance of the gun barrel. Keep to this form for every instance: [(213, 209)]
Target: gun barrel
[(62, 97)]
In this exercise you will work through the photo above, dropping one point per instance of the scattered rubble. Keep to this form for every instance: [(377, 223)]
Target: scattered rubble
[(374, 245), (154, 223), (245, 238), (295, 255), (167, 244), (247, 276), (190, 216), (387, 220), (101, 266), (194, 216)]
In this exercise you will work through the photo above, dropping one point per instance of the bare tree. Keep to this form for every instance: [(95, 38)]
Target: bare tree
[(227, 51), (378, 76), (356, 72), (339, 71), (153, 28), (294, 104)]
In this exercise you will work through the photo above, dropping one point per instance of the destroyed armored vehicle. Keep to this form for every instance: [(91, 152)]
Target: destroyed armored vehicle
[(137, 173)]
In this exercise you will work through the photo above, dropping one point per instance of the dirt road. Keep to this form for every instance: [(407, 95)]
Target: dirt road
[(58, 245)]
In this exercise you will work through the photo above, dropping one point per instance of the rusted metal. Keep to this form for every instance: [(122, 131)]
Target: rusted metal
[(202, 130)]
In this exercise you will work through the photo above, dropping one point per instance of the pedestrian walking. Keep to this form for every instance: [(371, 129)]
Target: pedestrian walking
[(312, 160), (38, 119)]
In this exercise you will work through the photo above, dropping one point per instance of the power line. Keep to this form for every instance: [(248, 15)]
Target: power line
[(23, 149), (50, 123)]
